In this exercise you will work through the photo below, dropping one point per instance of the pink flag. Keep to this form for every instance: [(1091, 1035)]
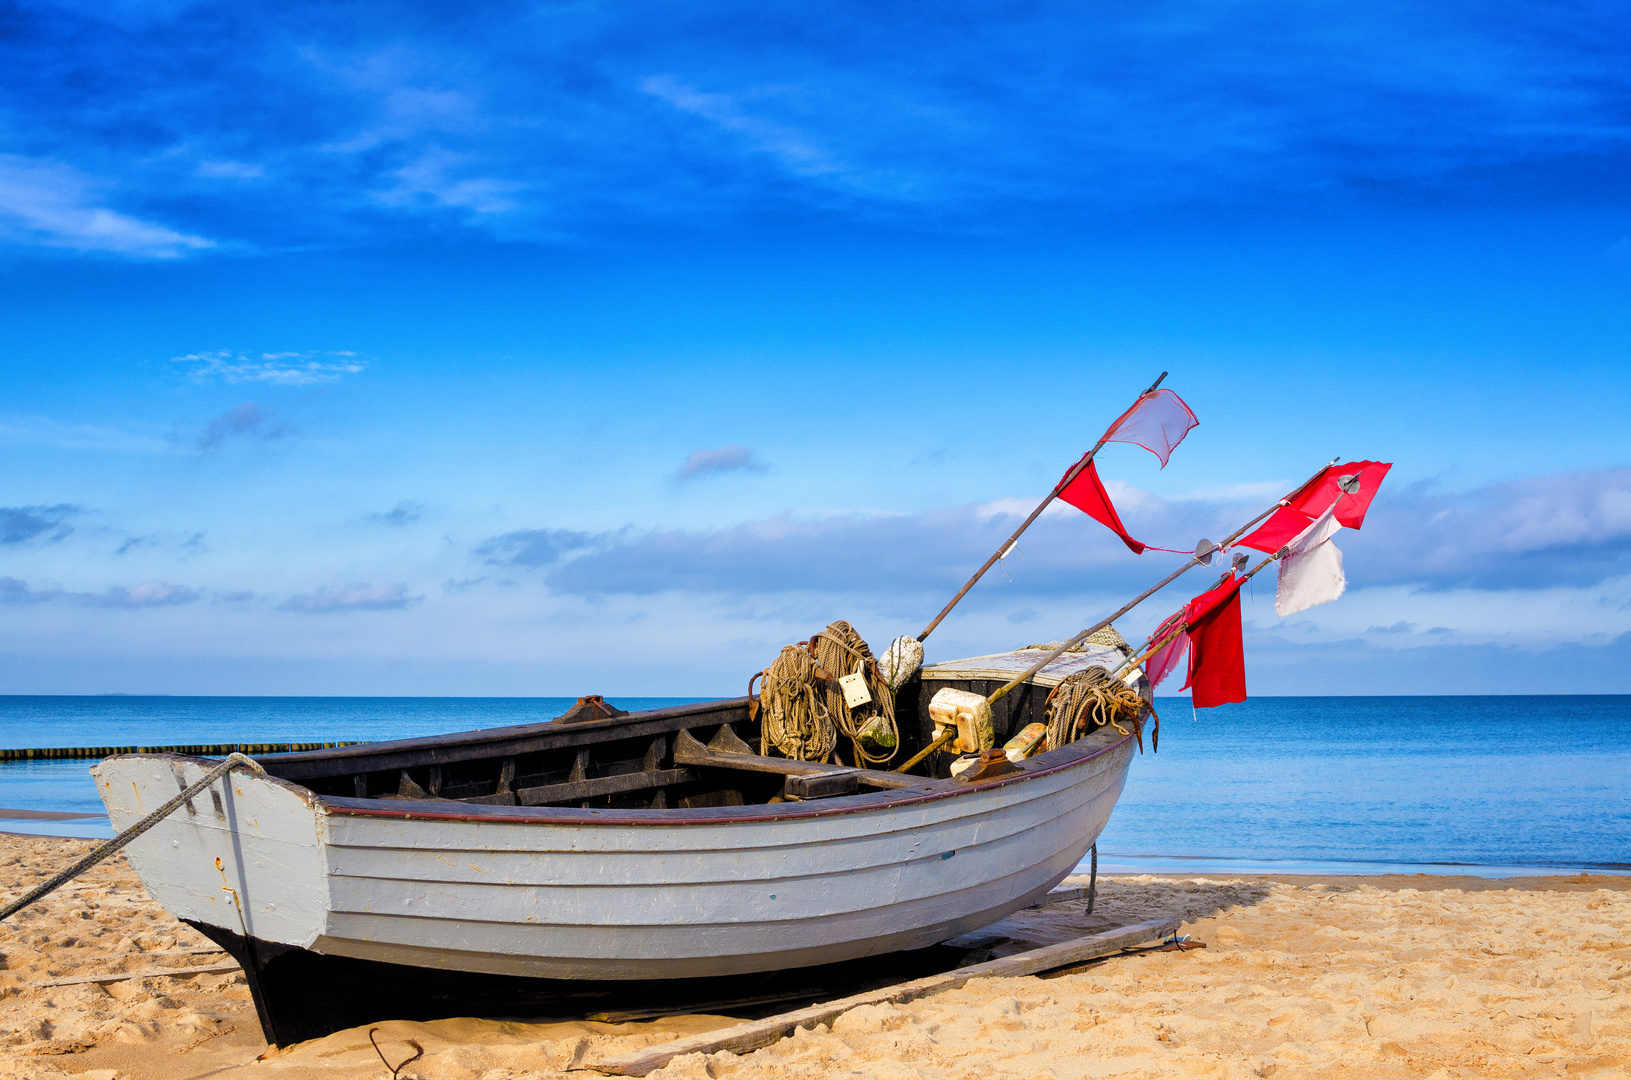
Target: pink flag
[(1165, 660), (1158, 421)]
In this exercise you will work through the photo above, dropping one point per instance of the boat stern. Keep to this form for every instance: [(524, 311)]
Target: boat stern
[(245, 855)]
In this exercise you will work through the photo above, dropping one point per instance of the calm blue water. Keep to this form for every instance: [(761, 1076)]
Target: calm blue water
[(1494, 784)]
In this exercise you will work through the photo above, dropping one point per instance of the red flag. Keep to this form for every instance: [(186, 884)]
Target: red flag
[(1283, 526), (1164, 660), (1298, 513), (1086, 493), (1158, 421), (1217, 659), (1316, 497)]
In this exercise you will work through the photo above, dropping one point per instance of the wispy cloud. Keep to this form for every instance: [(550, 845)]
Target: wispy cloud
[(353, 597), (230, 170), (793, 148), (995, 116), (1570, 530), (21, 524), (49, 203), (730, 458), (405, 512), (147, 594), (532, 548), (246, 421), (277, 368), (16, 591)]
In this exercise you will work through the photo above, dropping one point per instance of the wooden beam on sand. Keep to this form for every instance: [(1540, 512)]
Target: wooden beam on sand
[(744, 1038), (121, 976)]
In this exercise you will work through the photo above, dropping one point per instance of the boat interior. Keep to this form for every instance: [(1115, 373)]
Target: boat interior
[(689, 756)]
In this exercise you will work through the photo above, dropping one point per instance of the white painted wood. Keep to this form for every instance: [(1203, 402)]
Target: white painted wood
[(264, 832), (1004, 666), (576, 897)]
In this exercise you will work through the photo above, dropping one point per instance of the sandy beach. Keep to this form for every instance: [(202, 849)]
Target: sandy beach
[(1303, 977)]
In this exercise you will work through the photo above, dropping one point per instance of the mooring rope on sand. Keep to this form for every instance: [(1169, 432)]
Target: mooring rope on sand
[(112, 846)]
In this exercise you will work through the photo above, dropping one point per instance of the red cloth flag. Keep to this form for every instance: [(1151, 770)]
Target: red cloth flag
[(1314, 498), (1290, 520), (1282, 527), (1165, 660), (1086, 493), (1158, 421), (1217, 658)]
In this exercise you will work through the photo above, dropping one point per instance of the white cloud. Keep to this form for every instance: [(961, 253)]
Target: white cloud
[(793, 148), (230, 170), (46, 203), (358, 596), (433, 179), (730, 458), (279, 368)]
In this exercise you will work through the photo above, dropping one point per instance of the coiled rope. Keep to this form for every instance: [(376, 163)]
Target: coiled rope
[(1085, 701), (802, 706), (793, 716), (841, 651), (112, 846)]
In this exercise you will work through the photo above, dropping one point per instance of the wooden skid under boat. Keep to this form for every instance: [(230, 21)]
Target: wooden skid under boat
[(461, 870)]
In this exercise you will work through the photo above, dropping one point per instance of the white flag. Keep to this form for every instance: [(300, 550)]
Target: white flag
[(1311, 572)]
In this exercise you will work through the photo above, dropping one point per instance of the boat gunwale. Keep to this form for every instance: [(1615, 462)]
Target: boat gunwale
[(931, 791)]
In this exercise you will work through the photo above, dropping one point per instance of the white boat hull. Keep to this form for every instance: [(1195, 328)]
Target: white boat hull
[(572, 895)]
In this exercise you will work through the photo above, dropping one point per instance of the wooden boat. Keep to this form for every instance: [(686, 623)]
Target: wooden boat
[(471, 873)]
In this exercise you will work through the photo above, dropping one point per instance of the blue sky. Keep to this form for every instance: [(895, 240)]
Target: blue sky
[(575, 348)]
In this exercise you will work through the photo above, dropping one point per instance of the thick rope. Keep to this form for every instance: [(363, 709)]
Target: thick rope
[(841, 651), (128, 835), (1085, 701), (793, 715), (1107, 635)]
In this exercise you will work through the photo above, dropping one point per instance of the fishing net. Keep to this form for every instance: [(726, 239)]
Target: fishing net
[(1085, 701)]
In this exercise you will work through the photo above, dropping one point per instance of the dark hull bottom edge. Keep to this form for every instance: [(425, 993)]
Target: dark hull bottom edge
[(301, 995)]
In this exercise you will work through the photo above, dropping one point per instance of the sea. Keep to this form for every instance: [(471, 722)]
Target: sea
[(1489, 786)]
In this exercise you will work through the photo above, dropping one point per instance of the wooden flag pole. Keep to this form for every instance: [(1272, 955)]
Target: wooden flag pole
[(1203, 553), (1155, 647), (1008, 545)]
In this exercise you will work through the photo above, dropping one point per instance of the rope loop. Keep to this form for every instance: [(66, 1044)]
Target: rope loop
[(233, 761)]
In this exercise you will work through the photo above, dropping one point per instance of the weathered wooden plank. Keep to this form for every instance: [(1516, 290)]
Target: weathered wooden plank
[(688, 751), (120, 976), (1063, 895), (744, 1038), (604, 785)]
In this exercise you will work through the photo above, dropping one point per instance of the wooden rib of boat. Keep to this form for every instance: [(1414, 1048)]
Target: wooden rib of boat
[(472, 872)]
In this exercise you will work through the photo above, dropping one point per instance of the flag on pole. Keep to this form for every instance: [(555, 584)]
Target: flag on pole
[(1158, 421), (1164, 661), (1217, 658), (1086, 493), (1334, 484), (1311, 572), (1296, 514)]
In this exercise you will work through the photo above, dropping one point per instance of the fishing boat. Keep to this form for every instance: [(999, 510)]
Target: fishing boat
[(469, 873)]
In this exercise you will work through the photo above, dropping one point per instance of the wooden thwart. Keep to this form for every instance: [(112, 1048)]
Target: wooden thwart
[(744, 1038), (688, 751)]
